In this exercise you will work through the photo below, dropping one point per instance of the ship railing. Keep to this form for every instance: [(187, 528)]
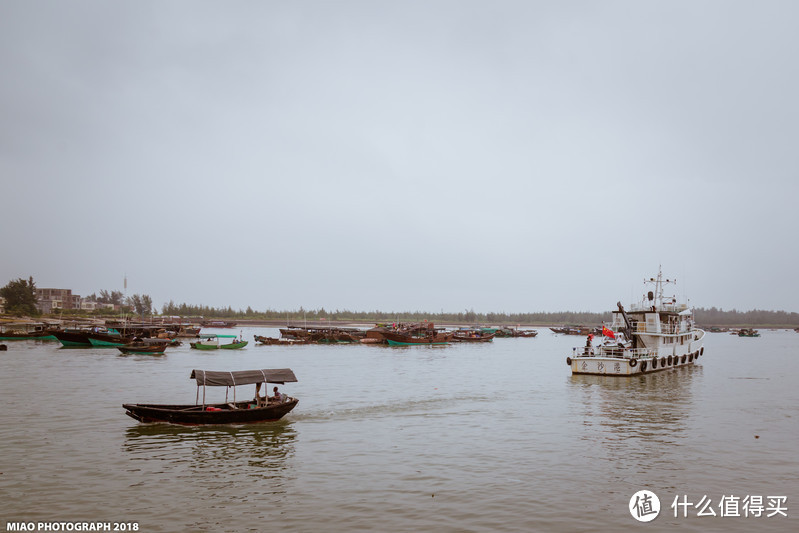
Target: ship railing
[(669, 307)]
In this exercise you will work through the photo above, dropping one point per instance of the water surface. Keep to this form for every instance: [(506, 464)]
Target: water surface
[(469, 437)]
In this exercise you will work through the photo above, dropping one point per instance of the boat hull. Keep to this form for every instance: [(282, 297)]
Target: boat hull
[(27, 336), (73, 338), (195, 415), (102, 340), (201, 346), (399, 339), (149, 349), (466, 338), (233, 346), (625, 366)]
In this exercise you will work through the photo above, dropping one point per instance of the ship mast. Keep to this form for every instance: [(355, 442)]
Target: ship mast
[(656, 297)]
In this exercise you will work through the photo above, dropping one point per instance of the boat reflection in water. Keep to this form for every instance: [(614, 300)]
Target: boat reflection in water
[(636, 417), (260, 451)]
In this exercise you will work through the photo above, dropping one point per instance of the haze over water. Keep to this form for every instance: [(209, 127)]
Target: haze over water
[(490, 437)]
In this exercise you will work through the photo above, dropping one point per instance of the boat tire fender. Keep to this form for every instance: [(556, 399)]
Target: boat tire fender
[(702, 350), (663, 361), (643, 366), (633, 362), (684, 359), (654, 363), (569, 361), (670, 360)]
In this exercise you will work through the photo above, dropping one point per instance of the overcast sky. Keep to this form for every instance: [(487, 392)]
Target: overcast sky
[(514, 156)]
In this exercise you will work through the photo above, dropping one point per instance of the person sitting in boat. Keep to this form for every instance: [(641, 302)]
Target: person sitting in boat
[(278, 396)]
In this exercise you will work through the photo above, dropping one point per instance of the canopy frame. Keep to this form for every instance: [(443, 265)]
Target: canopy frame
[(228, 379)]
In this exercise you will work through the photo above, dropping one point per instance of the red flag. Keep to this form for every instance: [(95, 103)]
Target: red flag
[(608, 333)]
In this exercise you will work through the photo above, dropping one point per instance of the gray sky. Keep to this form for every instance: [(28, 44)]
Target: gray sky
[(435, 155)]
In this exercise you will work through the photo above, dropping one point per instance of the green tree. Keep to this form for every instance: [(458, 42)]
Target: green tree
[(142, 304), (20, 296), (113, 297), (147, 304)]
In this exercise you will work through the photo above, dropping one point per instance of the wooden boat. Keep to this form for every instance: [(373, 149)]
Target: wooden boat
[(260, 409), (514, 333), (73, 338), (327, 334), (27, 331), (577, 330), (471, 335), (143, 347), (748, 332), (110, 338), (235, 345), (280, 342), (210, 341), (217, 324), (205, 344), (183, 330), (406, 339)]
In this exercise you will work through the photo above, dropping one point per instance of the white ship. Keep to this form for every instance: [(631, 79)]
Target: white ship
[(655, 334)]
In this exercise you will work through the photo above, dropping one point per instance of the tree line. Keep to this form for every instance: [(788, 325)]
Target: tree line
[(20, 299), (709, 317), (466, 316)]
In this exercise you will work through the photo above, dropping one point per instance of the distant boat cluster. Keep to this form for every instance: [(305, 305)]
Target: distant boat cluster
[(400, 334)]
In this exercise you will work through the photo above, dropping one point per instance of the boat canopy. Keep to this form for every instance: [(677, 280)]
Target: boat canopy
[(212, 378)]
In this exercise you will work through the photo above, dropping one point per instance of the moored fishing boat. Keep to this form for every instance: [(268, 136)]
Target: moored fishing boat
[(515, 332), (27, 331), (280, 342), (748, 332), (406, 339), (259, 409), (474, 335), (217, 324), (109, 338), (210, 341), (656, 334), (235, 345), (143, 347), (73, 338), (577, 330)]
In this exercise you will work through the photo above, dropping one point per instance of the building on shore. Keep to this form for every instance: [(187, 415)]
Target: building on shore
[(49, 299)]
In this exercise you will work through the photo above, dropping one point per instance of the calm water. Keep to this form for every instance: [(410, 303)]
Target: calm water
[(490, 437)]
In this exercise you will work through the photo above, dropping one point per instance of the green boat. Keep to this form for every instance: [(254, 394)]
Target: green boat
[(204, 345), (233, 345), (108, 339), (210, 341)]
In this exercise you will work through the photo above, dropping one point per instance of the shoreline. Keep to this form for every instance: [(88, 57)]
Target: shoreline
[(320, 324)]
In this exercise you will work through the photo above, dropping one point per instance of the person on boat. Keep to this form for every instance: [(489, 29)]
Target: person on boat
[(278, 397), (589, 345)]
